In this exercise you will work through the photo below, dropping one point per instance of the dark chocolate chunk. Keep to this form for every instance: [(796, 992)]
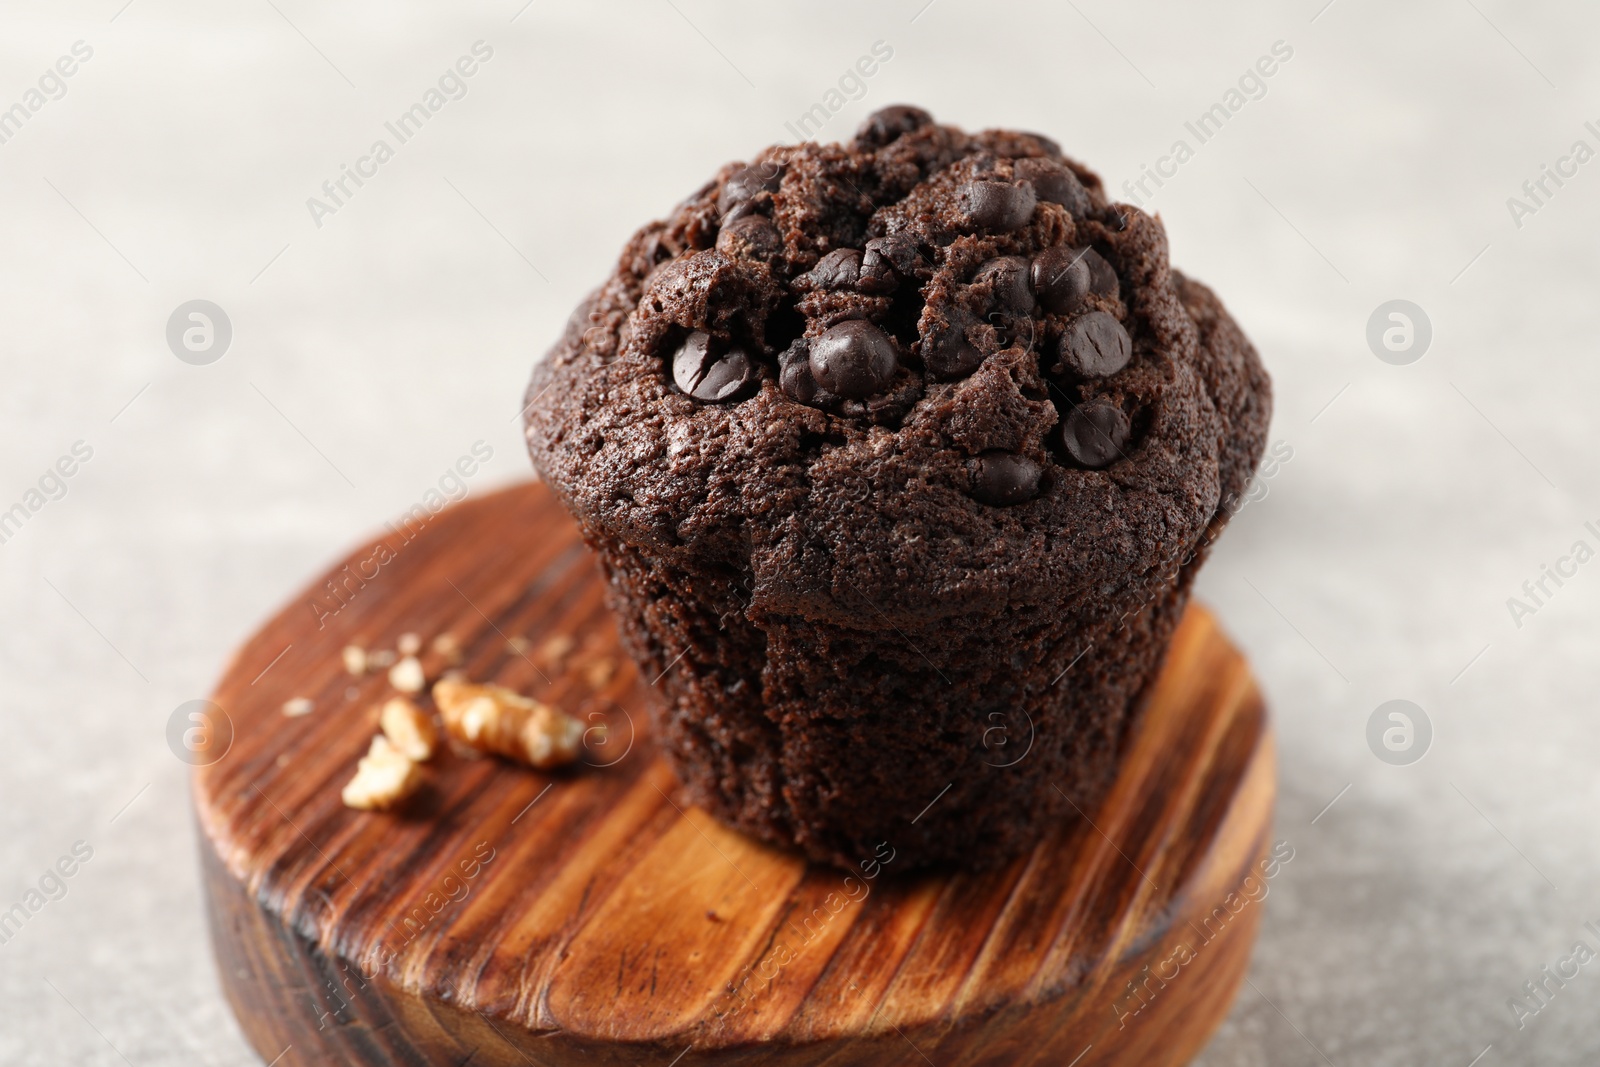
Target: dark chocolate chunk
[(745, 184), (1055, 183), (1003, 478), (707, 372), (999, 206), (1061, 278), (877, 277), (888, 124), (853, 359), (1095, 346), (900, 249), (838, 269), (741, 209), (1009, 277), (888, 260), (1102, 277), (1049, 144), (1094, 433), (753, 236), (794, 372), (946, 351)]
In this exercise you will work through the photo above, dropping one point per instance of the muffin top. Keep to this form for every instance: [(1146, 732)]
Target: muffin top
[(913, 373)]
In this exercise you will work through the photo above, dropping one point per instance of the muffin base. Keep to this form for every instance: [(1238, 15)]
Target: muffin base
[(854, 737)]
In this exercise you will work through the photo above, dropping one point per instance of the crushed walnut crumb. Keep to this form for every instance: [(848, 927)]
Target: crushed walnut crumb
[(355, 659), (407, 675), (553, 651), (409, 644), (598, 671), (448, 648), (297, 707)]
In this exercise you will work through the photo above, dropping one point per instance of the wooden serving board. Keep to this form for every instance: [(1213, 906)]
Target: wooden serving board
[(508, 917)]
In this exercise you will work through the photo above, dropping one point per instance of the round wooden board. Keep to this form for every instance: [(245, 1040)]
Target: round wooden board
[(509, 917)]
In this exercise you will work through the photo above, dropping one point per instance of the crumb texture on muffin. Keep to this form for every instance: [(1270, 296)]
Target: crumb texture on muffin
[(849, 405)]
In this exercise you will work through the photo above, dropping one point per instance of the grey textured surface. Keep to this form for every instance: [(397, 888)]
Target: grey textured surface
[(371, 352)]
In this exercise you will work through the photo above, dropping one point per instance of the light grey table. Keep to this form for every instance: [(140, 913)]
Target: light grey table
[(374, 344)]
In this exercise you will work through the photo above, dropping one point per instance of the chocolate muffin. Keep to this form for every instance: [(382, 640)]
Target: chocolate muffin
[(900, 457)]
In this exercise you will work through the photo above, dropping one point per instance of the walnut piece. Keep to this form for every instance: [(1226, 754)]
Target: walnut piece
[(494, 719), (384, 778), (409, 644), (408, 729), (355, 659), (297, 707)]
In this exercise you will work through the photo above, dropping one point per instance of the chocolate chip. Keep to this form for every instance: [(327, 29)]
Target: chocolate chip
[(1061, 278), (1049, 144), (1055, 183), (700, 370), (1102, 276), (741, 209), (887, 125), (838, 269), (752, 236), (1095, 433), (1008, 275), (654, 249), (900, 249), (888, 260), (745, 184), (947, 352), (1004, 478), (794, 372), (854, 359), (1000, 206), (1095, 346), (877, 276)]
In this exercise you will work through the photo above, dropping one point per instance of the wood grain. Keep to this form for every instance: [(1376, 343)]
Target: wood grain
[(509, 917)]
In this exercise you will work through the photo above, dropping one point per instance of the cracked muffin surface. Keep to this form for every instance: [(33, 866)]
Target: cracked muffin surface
[(888, 446)]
